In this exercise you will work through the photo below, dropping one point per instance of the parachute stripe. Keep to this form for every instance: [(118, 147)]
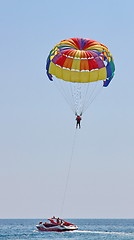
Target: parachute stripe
[(77, 76)]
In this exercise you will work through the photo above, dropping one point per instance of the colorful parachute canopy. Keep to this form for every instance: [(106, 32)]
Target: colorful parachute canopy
[(78, 64), (80, 60)]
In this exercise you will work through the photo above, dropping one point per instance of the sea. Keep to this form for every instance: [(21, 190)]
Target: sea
[(93, 229)]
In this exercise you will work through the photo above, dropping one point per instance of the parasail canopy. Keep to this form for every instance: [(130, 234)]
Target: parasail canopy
[(80, 61)]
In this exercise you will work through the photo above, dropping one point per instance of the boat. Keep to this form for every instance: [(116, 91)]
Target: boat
[(56, 225)]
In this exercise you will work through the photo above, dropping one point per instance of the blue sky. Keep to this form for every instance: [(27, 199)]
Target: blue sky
[(37, 125)]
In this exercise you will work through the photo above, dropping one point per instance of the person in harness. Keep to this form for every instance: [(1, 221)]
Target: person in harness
[(78, 120)]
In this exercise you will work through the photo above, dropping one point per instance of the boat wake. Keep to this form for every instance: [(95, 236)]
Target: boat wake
[(105, 232), (99, 232)]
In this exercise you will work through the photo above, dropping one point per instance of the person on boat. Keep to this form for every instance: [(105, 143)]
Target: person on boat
[(58, 220), (78, 120)]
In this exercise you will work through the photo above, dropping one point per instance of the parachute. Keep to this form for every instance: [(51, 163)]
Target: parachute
[(80, 65)]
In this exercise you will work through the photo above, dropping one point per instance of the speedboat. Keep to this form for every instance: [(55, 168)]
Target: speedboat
[(56, 225)]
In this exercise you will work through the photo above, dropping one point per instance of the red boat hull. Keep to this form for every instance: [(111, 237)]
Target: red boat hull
[(53, 226)]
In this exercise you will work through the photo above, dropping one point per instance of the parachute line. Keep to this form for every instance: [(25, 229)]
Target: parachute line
[(65, 93), (78, 96), (95, 92), (68, 172)]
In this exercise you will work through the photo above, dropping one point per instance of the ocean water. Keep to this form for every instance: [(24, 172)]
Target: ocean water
[(93, 229)]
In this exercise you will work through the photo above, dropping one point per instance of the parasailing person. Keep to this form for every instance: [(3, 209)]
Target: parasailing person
[(78, 120)]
